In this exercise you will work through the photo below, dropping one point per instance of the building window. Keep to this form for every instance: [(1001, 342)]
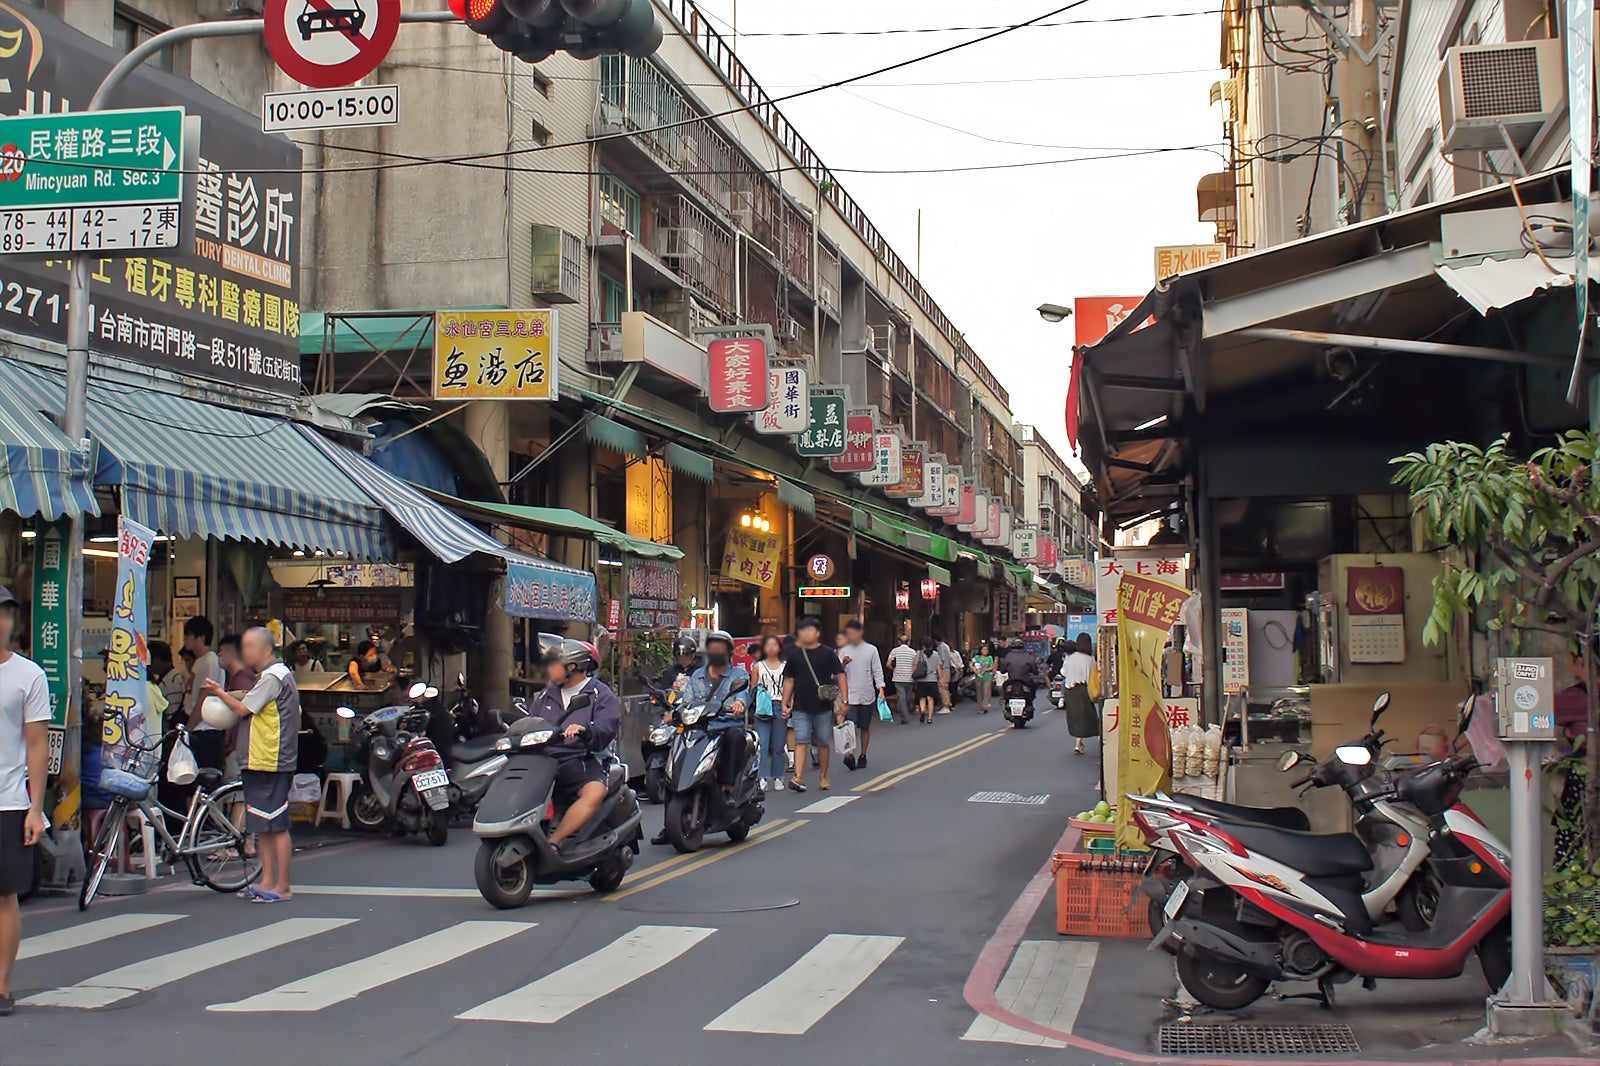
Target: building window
[(130, 28), (614, 301), (619, 203)]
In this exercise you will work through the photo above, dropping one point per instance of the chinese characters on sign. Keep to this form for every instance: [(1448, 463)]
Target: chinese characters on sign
[(495, 355), (825, 592), (325, 606), (902, 597), (127, 650), (543, 592), (1080, 572), (820, 567), (738, 374), (950, 498), (859, 430), (966, 508), (930, 589), (1109, 571), (50, 615), (654, 592), (913, 465), (752, 557), (1176, 258), (886, 467), (824, 435), (1025, 545), (1375, 614), (1147, 608), (932, 495), (788, 410)]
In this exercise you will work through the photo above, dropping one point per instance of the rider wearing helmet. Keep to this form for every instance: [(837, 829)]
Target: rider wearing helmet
[(586, 714), (716, 682), (1019, 664), (685, 661)]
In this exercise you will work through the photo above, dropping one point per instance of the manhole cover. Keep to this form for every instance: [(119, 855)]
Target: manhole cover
[(1008, 797), (1187, 1038)]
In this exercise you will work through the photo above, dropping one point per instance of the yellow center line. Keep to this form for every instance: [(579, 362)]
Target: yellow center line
[(926, 760), (903, 775), (769, 832)]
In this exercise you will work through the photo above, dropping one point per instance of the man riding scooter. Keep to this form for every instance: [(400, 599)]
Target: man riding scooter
[(1023, 677), (587, 715), (714, 683)]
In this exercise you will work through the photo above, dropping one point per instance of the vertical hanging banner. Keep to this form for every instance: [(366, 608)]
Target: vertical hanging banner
[(128, 650), (50, 616), (979, 518), (788, 410), (1025, 545), (913, 465), (859, 429), (932, 494), (966, 508), (825, 431), (738, 375), (1146, 609), (886, 467), (950, 498)]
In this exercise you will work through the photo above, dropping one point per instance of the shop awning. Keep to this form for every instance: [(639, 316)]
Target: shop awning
[(192, 469), (558, 520), (41, 473), (614, 435), (690, 462)]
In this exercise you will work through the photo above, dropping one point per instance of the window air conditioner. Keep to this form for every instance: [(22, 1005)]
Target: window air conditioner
[(791, 329), (556, 265), (1483, 87)]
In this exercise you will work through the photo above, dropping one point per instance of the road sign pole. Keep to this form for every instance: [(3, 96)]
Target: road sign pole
[(75, 416)]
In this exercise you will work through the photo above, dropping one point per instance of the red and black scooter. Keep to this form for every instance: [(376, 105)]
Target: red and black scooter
[(1267, 904)]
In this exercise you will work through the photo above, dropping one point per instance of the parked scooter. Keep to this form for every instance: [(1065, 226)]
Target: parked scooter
[(404, 785), (1017, 701), (516, 818), (473, 758), (1268, 905), (696, 801)]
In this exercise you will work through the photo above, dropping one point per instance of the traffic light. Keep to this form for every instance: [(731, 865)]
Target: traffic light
[(534, 30)]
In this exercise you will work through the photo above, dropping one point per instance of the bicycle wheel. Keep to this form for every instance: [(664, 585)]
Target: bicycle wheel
[(216, 851), (101, 851)]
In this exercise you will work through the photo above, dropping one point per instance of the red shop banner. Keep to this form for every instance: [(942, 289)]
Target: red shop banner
[(858, 454), (738, 374)]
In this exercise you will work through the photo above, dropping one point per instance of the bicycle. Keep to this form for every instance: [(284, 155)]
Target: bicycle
[(209, 844)]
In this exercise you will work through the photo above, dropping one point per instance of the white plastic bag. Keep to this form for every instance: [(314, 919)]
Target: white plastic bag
[(844, 739), (181, 766), (305, 788)]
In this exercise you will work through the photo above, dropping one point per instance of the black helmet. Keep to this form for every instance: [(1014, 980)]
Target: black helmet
[(721, 635), (574, 654), (1016, 643), (684, 645)]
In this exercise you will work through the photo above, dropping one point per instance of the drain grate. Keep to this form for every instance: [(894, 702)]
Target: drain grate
[(1008, 797), (1186, 1038)]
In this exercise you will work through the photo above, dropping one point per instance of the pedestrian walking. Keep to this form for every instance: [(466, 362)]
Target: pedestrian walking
[(24, 758), (814, 691), (902, 666), (946, 673), (863, 671), (983, 671), (1077, 675), (269, 738), (772, 722), (926, 675)]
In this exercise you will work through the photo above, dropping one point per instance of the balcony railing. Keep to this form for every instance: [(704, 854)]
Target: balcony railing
[(696, 247)]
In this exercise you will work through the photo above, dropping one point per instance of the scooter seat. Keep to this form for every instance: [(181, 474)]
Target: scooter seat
[(1313, 854), (615, 778), (474, 750), (1276, 817)]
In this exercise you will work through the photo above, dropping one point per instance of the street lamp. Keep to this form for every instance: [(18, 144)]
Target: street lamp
[(1054, 312)]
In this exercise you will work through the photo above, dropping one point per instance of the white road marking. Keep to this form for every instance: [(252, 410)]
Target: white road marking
[(119, 984), (1045, 983), (826, 804), (1009, 797), (322, 990), (420, 893), (90, 933), (799, 997), (619, 963)]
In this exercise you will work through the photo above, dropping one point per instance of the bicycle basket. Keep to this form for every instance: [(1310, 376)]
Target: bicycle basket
[(130, 774)]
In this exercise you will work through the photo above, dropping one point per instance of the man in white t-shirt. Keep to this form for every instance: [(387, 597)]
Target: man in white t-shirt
[(205, 740), (24, 756)]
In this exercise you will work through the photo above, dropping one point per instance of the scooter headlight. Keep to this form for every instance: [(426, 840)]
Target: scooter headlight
[(660, 734), (706, 761), (503, 744), (691, 715), (534, 739)]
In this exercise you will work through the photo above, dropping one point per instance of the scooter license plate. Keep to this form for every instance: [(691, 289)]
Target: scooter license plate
[(1175, 901), (431, 779), (1017, 706)]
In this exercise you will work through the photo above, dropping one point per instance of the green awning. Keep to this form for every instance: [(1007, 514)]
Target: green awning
[(690, 462), (986, 568), (939, 574), (397, 330), (796, 497), (616, 436), (558, 520), (891, 530)]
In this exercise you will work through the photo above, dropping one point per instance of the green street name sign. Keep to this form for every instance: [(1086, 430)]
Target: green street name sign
[(92, 158)]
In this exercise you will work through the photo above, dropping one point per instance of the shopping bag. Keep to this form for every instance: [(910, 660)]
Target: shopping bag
[(181, 766), (884, 714), (1094, 682), (844, 739)]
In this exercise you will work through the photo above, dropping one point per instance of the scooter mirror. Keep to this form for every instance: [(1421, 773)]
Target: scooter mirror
[(1464, 716), (419, 690), (1288, 761), (461, 680), (739, 686), (430, 693), (344, 712), (1353, 754), (1379, 705)]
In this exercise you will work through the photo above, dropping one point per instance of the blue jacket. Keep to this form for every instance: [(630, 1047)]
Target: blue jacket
[(719, 692), (603, 716)]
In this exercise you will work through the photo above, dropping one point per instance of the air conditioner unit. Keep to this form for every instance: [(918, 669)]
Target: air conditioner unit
[(556, 268), (882, 340), (1484, 87), (791, 329)]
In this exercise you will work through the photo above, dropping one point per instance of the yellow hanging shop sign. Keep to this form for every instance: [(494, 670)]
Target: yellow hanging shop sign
[(495, 355), (1146, 609), (752, 557)]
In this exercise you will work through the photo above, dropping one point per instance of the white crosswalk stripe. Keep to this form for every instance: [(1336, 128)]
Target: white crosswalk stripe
[(322, 990), (799, 997), (94, 932), (826, 804), (124, 982), (618, 964), (1045, 983)]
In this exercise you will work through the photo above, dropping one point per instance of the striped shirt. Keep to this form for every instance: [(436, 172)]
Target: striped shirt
[(903, 663)]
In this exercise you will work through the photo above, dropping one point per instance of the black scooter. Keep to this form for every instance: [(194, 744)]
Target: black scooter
[(655, 747), (1017, 701), (516, 817), (696, 802)]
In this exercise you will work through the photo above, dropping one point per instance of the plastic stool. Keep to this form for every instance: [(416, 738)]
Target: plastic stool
[(336, 792)]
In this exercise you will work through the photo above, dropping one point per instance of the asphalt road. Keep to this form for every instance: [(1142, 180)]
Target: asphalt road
[(843, 931)]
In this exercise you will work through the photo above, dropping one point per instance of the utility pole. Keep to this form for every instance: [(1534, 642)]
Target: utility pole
[(1360, 108)]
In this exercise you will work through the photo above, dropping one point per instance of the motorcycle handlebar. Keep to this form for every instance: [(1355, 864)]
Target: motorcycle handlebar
[(1306, 780)]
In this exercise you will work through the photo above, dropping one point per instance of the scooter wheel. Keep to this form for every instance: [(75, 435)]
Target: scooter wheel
[(1219, 985), (1494, 952), (506, 887), (685, 821), (438, 828), (655, 786), (609, 877), (1019, 723), (365, 811), (739, 831)]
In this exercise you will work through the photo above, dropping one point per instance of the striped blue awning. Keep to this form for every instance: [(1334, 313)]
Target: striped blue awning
[(192, 469), (41, 473)]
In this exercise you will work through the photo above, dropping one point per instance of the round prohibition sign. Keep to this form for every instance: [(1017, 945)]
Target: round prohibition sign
[(325, 44)]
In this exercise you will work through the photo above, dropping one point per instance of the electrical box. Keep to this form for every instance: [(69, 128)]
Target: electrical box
[(1526, 699)]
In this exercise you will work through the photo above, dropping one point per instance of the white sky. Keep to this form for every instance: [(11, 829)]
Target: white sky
[(996, 244)]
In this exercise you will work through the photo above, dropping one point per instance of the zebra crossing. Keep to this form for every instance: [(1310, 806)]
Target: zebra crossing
[(790, 1003)]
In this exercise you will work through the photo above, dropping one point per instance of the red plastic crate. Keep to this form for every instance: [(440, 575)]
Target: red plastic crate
[(1098, 895)]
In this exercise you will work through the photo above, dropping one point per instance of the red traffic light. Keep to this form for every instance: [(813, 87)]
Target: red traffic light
[(458, 8)]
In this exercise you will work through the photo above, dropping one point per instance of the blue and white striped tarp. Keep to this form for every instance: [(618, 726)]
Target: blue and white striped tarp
[(41, 473), (192, 469)]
